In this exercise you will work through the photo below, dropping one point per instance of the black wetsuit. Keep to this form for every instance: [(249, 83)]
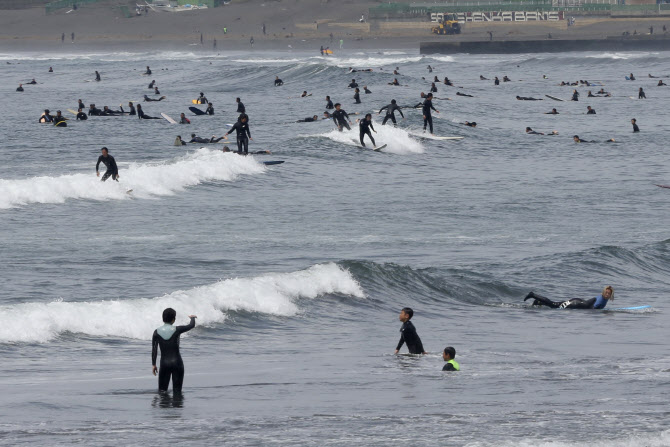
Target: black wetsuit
[(132, 110), (641, 95), (340, 118), (433, 89), (278, 82), (357, 97), (364, 127), (575, 96), (110, 163), (308, 120), (427, 117), (575, 303), (353, 85), (497, 81), (147, 99), (408, 335), (46, 118), (81, 116), (94, 111), (367, 91), (330, 105), (635, 127), (449, 367), (210, 110), (97, 76), (19, 89), (243, 135), (171, 362), (390, 113), (200, 140), (141, 115), (591, 112), (240, 107), (464, 94)]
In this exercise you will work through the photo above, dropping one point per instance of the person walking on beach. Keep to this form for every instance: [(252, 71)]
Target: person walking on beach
[(167, 338)]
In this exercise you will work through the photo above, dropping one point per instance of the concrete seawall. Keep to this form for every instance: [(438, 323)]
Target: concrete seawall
[(545, 46)]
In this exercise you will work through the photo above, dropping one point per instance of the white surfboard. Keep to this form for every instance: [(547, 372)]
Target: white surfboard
[(167, 118)]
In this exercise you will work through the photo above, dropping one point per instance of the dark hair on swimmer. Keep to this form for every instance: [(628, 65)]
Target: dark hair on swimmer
[(237, 99), (337, 104), (575, 136), (368, 115), (104, 149), (451, 352), (393, 101), (169, 315), (192, 135), (408, 311)]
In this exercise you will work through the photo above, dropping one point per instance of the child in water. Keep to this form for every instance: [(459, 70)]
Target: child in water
[(408, 333), (448, 355)]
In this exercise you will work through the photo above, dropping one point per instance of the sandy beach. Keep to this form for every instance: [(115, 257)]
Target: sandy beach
[(289, 24)]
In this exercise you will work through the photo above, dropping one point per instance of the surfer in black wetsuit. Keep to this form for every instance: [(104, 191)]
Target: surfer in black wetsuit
[(172, 365), (183, 119), (427, 117), (390, 112), (470, 124), (447, 81), (395, 82), (433, 88), (81, 116), (243, 134), (196, 139), (357, 96), (641, 94), (151, 84), (110, 163), (156, 92), (19, 88), (366, 90), (553, 112), (353, 84), (635, 126), (80, 104), (94, 111), (576, 303), (496, 81), (329, 103), (33, 82), (408, 333), (364, 127), (527, 98), (59, 120), (278, 82), (147, 99), (132, 108), (590, 110), (142, 116), (148, 72), (240, 106), (530, 131), (575, 95), (465, 94), (309, 119), (210, 109), (340, 118), (97, 76), (202, 99)]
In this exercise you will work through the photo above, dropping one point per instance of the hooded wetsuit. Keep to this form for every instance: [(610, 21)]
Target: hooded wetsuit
[(167, 337), (408, 335), (364, 127)]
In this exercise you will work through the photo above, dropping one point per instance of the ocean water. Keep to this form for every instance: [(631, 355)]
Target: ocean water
[(297, 271)]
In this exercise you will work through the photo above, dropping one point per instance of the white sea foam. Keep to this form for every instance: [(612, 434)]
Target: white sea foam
[(273, 294), (661, 439), (146, 180), (398, 140)]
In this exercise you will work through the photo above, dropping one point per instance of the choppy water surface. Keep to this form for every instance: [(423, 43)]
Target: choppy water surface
[(297, 271)]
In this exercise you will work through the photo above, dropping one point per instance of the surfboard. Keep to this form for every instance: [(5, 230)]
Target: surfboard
[(196, 110), (169, 120), (327, 51), (554, 98), (60, 124), (74, 112), (274, 162), (435, 137), (631, 308), (379, 148), (664, 186), (196, 101)]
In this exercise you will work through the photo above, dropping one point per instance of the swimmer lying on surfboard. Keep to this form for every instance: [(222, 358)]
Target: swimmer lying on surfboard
[(576, 303)]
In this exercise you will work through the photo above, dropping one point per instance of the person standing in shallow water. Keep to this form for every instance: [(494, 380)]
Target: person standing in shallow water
[(172, 365)]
